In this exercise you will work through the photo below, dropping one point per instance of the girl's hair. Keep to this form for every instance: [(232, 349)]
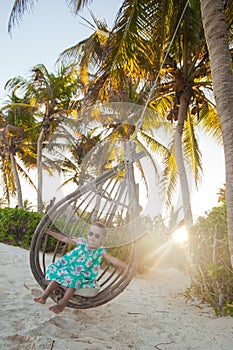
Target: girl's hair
[(101, 225)]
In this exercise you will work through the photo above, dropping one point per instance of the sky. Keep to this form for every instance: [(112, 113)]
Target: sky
[(43, 34), (51, 28)]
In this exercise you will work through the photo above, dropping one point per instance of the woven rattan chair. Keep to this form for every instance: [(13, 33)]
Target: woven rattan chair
[(111, 198)]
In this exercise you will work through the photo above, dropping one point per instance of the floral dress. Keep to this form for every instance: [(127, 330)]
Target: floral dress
[(78, 268)]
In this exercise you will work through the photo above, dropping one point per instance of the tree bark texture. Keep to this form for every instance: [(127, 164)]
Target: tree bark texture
[(188, 218), (214, 22)]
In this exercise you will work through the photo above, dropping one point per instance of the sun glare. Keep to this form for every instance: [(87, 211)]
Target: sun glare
[(180, 235)]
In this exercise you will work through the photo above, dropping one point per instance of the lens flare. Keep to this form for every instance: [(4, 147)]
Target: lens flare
[(180, 235)]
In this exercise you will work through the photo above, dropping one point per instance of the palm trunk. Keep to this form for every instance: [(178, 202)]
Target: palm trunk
[(17, 181), (6, 190), (215, 28), (39, 172), (188, 218)]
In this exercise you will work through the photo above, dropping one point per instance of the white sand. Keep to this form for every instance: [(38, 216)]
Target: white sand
[(150, 314)]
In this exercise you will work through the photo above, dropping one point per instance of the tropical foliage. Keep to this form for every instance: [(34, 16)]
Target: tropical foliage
[(162, 66), (18, 151), (47, 100), (154, 55), (212, 277), (17, 226)]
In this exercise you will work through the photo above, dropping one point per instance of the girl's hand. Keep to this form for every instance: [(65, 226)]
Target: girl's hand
[(115, 261), (61, 237)]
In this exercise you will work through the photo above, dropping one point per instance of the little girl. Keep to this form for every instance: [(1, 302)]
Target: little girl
[(79, 267)]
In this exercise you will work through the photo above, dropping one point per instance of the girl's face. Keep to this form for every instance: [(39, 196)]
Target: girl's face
[(95, 237)]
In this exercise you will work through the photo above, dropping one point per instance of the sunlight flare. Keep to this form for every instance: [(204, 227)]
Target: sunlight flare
[(180, 235)]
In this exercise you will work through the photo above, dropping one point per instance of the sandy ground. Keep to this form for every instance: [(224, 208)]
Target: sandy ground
[(150, 314)]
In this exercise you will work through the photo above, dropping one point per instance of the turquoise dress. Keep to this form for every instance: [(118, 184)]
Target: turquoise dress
[(78, 268)]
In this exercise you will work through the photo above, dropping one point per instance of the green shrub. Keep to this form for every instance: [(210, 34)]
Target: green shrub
[(212, 277), (17, 226)]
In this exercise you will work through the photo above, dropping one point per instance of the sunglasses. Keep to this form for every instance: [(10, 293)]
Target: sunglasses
[(96, 235)]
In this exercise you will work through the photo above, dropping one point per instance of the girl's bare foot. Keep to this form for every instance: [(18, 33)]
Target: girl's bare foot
[(40, 300), (57, 308)]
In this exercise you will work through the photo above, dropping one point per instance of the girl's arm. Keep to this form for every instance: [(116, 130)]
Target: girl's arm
[(115, 261), (61, 237)]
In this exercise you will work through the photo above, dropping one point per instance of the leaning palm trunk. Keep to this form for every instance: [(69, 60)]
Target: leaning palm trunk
[(188, 218), (17, 181), (215, 28)]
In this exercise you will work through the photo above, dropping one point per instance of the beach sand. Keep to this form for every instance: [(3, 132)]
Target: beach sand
[(151, 313)]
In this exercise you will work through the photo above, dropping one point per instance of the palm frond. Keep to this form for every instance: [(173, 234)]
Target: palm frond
[(78, 5), (154, 145), (25, 175), (18, 10), (209, 121), (88, 53), (169, 180), (130, 52), (191, 150)]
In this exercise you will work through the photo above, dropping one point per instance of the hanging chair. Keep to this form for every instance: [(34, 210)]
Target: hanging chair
[(110, 198)]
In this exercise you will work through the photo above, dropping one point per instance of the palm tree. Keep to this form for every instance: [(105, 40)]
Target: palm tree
[(11, 136), (183, 87), (86, 54), (131, 62), (17, 149), (216, 24), (50, 95), (68, 147), (133, 54)]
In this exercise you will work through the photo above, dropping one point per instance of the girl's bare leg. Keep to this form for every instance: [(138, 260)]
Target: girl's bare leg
[(50, 288), (63, 302)]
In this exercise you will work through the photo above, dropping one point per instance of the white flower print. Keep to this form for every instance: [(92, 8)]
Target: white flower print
[(96, 267), (78, 269), (62, 272), (53, 268), (73, 259), (67, 280), (89, 263)]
